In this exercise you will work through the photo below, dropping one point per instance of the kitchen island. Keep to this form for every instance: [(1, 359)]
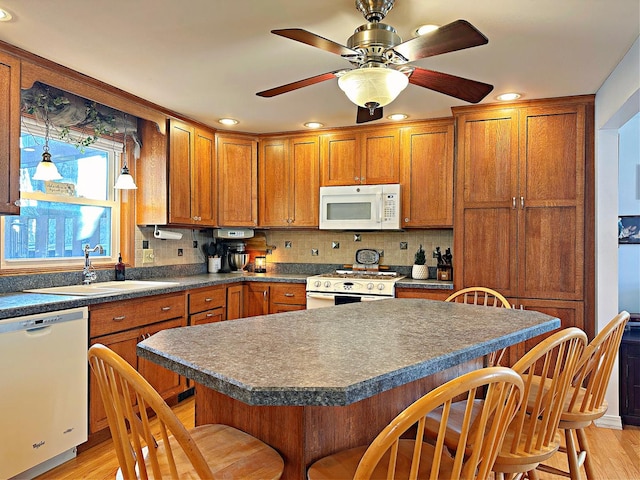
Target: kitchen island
[(312, 382)]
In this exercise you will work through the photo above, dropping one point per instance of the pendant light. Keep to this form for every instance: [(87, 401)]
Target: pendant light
[(46, 169), (125, 180)]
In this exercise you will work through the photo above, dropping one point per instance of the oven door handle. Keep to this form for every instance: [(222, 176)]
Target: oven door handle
[(320, 295)]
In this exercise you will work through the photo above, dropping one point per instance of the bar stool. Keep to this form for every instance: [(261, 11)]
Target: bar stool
[(206, 451), (390, 456), (585, 401), (533, 435)]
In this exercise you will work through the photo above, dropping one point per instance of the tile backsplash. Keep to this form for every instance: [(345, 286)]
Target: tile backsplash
[(301, 246)]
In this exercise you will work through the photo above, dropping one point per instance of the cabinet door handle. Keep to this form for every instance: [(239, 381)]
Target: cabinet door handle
[(264, 294), (119, 319), (208, 299), (289, 295), (513, 202), (165, 309), (209, 315), (521, 202)]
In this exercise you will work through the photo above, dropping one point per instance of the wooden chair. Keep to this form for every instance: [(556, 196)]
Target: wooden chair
[(533, 436), (207, 451), (585, 401), (488, 298), (390, 456)]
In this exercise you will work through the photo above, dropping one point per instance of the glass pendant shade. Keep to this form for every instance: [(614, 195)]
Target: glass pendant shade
[(373, 85), (125, 180), (46, 169)]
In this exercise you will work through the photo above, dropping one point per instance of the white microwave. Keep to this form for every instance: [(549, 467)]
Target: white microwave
[(360, 207)]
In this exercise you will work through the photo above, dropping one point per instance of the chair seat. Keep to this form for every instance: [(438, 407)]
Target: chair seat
[(231, 453), (343, 465), (573, 415)]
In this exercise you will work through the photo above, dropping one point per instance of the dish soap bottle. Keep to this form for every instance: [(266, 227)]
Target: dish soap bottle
[(120, 268)]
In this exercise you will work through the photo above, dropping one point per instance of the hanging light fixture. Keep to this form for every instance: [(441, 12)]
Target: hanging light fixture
[(373, 86), (125, 180), (46, 169)]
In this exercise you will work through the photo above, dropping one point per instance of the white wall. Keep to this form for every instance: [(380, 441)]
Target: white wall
[(629, 204), (617, 101)]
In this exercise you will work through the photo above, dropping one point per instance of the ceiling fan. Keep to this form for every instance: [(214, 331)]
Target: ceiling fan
[(381, 61)]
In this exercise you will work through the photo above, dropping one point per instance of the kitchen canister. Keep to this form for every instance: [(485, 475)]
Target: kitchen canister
[(213, 264)]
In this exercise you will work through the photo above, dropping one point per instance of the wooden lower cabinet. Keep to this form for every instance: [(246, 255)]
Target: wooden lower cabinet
[(121, 326), (571, 314), (427, 293), (287, 297), (256, 299), (235, 304), (262, 298)]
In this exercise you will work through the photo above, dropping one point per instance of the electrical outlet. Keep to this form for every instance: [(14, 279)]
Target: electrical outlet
[(180, 252), (195, 244), (147, 255)]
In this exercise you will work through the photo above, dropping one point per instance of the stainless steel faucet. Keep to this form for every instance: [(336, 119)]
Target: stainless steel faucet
[(87, 272)]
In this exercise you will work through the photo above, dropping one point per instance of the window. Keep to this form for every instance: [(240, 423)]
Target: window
[(58, 218)]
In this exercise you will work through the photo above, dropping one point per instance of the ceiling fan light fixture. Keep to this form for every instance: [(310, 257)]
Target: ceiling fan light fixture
[(373, 85)]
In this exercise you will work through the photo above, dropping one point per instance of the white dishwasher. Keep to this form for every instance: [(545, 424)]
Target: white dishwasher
[(43, 390)]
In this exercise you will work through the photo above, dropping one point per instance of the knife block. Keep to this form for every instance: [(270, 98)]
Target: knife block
[(445, 272)]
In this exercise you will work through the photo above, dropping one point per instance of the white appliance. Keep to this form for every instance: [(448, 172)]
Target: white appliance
[(43, 405), (360, 207), (349, 286)]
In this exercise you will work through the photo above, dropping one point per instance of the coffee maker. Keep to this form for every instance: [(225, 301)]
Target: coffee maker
[(233, 246)]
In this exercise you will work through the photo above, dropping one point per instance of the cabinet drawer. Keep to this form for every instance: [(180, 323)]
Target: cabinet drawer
[(209, 316), (288, 293), (119, 316), (207, 299)]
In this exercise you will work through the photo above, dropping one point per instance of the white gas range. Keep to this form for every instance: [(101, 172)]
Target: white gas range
[(349, 286)]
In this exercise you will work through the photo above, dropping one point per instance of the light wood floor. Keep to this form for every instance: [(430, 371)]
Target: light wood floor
[(616, 454)]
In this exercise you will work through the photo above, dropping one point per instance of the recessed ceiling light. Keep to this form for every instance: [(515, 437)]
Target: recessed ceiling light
[(228, 121), (314, 125), (424, 29), (4, 16), (397, 116), (506, 97)]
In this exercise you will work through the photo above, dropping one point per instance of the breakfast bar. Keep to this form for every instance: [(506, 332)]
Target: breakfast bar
[(312, 382)]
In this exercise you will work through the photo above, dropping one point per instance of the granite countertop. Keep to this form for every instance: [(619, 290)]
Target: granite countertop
[(16, 304), (338, 355)]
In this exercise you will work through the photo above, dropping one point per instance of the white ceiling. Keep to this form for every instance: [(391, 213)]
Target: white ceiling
[(206, 59)]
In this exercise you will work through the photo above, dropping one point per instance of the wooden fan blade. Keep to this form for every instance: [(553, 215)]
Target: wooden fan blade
[(303, 36), (454, 36), (458, 87), (364, 115), (299, 84)]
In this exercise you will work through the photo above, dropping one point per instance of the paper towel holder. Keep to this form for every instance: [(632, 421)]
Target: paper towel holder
[(166, 234)]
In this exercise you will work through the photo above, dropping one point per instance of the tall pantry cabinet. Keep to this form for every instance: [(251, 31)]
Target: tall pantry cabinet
[(522, 226)]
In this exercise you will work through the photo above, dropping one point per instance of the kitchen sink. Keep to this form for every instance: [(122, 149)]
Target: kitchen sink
[(103, 288)]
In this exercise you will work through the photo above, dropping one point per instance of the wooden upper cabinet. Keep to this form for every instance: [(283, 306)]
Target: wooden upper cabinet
[(9, 134), (361, 157), (340, 159), (380, 156), (485, 219), (427, 175), (177, 176), (551, 202), (520, 218), (204, 178), (181, 140), (288, 173), (237, 180)]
